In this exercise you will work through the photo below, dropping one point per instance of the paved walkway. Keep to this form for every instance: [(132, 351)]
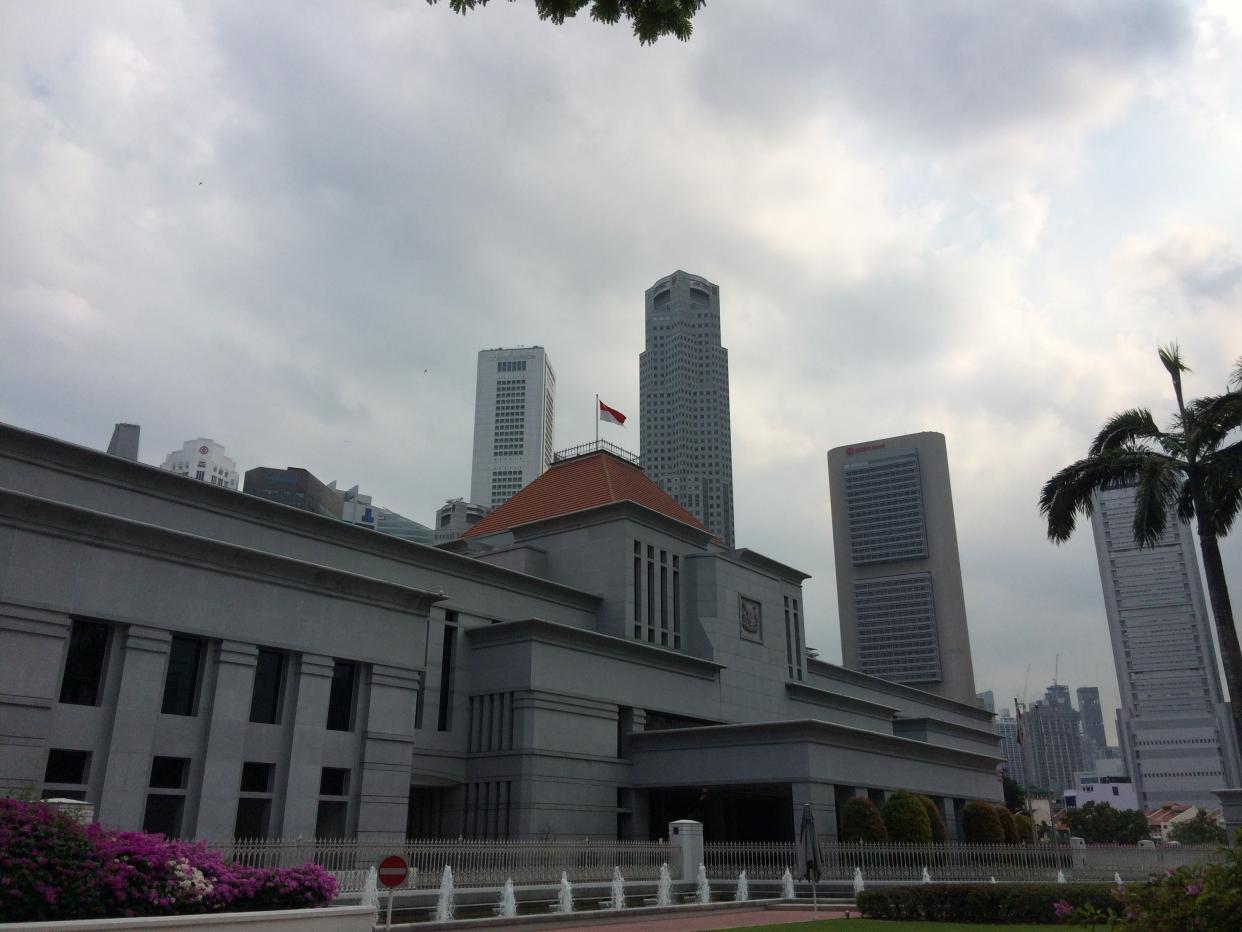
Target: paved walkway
[(715, 919)]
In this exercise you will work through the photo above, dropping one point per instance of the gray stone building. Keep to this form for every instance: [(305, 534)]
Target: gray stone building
[(592, 664), (683, 377), (899, 578)]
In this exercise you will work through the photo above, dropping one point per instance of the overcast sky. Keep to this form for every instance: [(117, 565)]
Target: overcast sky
[(290, 227)]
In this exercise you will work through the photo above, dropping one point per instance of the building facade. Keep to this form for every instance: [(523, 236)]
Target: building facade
[(514, 422), (202, 459), (295, 487), (899, 579), (1011, 747), (1174, 728), (454, 518), (684, 423), (1052, 741), (1095, 742), (592, 664), (389, 522), (124, 441)]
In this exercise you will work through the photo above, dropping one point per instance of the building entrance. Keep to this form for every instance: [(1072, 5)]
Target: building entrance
[(754, 812)]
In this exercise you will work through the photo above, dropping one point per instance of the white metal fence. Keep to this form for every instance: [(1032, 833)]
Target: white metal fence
[(475, 862), (900, 862)]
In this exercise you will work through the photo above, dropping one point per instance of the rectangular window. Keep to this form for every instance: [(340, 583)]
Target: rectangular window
[(181, 681), (444, 720), (253, 815), (169, 773), (334, 781), (341, 698), (789, 653), (638, 591), (269, 674), (66, 767), (330, 819), (256, 777), (650, 597), (163, 814), (84, 664), (676, 604), (663, 604)]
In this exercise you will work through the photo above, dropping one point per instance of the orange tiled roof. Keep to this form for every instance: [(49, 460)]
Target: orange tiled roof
[(581, 484)]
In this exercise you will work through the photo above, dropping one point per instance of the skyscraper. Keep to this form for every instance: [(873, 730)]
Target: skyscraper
[(124, 441), (1007, 727), (1095, 744), (203, 459), (1174, 728), (1051, 741), (683, 379), (899, 580), (514, 408)]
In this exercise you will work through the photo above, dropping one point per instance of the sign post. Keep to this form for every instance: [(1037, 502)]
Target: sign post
[(391, 873)]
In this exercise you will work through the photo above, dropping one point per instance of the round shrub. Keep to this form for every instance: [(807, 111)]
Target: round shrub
[(906, 819), (1009, 826), (981, 825), (939, 834), (861, 821)]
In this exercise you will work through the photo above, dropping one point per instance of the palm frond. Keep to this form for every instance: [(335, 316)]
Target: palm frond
[(1071, 491), (1213, 419), (1171, 356), (1235, 377), (1125, 429), (1159, 486), (1220, 479)]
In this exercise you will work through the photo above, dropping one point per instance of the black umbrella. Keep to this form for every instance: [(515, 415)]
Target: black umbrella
[(808, 843)]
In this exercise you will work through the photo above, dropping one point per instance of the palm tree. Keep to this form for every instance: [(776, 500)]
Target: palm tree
[(1194, 466)]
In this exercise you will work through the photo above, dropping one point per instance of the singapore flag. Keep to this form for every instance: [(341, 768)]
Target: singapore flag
[(611, 415)]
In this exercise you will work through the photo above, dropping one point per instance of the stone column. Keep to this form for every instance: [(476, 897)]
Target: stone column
[(387, 752), (1231, 806), (226, 737), (32, 655), (143, 668), (686, 838), (822, 798), (305, 755)]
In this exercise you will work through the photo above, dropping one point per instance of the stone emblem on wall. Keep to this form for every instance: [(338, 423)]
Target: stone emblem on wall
[(750, 615)]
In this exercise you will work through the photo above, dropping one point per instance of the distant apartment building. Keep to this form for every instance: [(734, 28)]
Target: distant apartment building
[(1010, 747), (987, 699), (356, 508), (455, 517), (1095, 743), (1090, 787), (1174, 727), (685, 434), (124, 442), (396, 525), (899, 579), (202, 459), (514, 422), (1052, 741), (296, 488)]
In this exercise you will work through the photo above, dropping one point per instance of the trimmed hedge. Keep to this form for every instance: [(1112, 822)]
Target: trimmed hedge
[(906, 819), (939, 833), (983, 902), (861, 821)]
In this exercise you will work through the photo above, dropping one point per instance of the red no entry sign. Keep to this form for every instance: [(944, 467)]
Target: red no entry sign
[(392, 871)]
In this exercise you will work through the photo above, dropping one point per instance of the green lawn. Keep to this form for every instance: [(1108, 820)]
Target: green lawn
[(880, 925)]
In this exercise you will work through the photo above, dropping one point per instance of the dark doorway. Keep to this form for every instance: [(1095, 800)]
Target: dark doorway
[(755, 812)]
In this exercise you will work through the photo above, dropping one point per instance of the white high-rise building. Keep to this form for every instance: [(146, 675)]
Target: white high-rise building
[(683, 378), (514, 408), (203, 459), (1175, 730)]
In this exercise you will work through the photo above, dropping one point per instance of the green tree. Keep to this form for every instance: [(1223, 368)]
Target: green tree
[(1015, 799), (906, 819), (981, 824), (1009, 827), (1025, 828), (1101, 824), (1194, 466), (650, 18), (1199, 831), (939, 834), (861, 821)]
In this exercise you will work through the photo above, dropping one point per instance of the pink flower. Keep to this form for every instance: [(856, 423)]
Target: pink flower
[(1062, 909), (1195, 888)]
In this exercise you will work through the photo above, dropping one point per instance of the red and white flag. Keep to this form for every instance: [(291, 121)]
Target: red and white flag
[(611, 415)]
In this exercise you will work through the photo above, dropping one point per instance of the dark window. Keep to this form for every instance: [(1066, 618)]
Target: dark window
[(268, 680), (638, 594), (330, 819), (66, 766), (169, 773), (181, 683), (341, 699), (256, 777), (444, 719), (163, 814), (88, 644), (65, 794), (333, 781), (252, 817)]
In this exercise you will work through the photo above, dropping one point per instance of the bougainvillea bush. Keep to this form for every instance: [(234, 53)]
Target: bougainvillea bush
[(52, 867), (1207, 898)]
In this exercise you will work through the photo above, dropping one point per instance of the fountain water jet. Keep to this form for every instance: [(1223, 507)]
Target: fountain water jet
[(926, 876), (370, 889), (787, 887), (742, 894), (664, 891), (1117, 879), (507, 907), (859, 886), (565, 897), (1060, 876), (702, 890), (444, 904), (618, 890)]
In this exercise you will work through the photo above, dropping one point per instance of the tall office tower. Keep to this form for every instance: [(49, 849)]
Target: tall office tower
[(1007, 727), (1095, 744), (683, 406), (1052, 741), (899, 581), (1175, 730), (124, 441), (514, 406), (987, 699), (203, 459)]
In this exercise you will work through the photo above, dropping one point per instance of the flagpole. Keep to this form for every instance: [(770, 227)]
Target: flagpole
[(597, 422)]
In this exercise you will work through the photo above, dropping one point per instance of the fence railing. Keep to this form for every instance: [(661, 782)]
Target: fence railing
[(900, 862), (476, 862)]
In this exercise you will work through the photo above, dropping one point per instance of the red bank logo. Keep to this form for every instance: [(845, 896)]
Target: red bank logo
[(865, 448)]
